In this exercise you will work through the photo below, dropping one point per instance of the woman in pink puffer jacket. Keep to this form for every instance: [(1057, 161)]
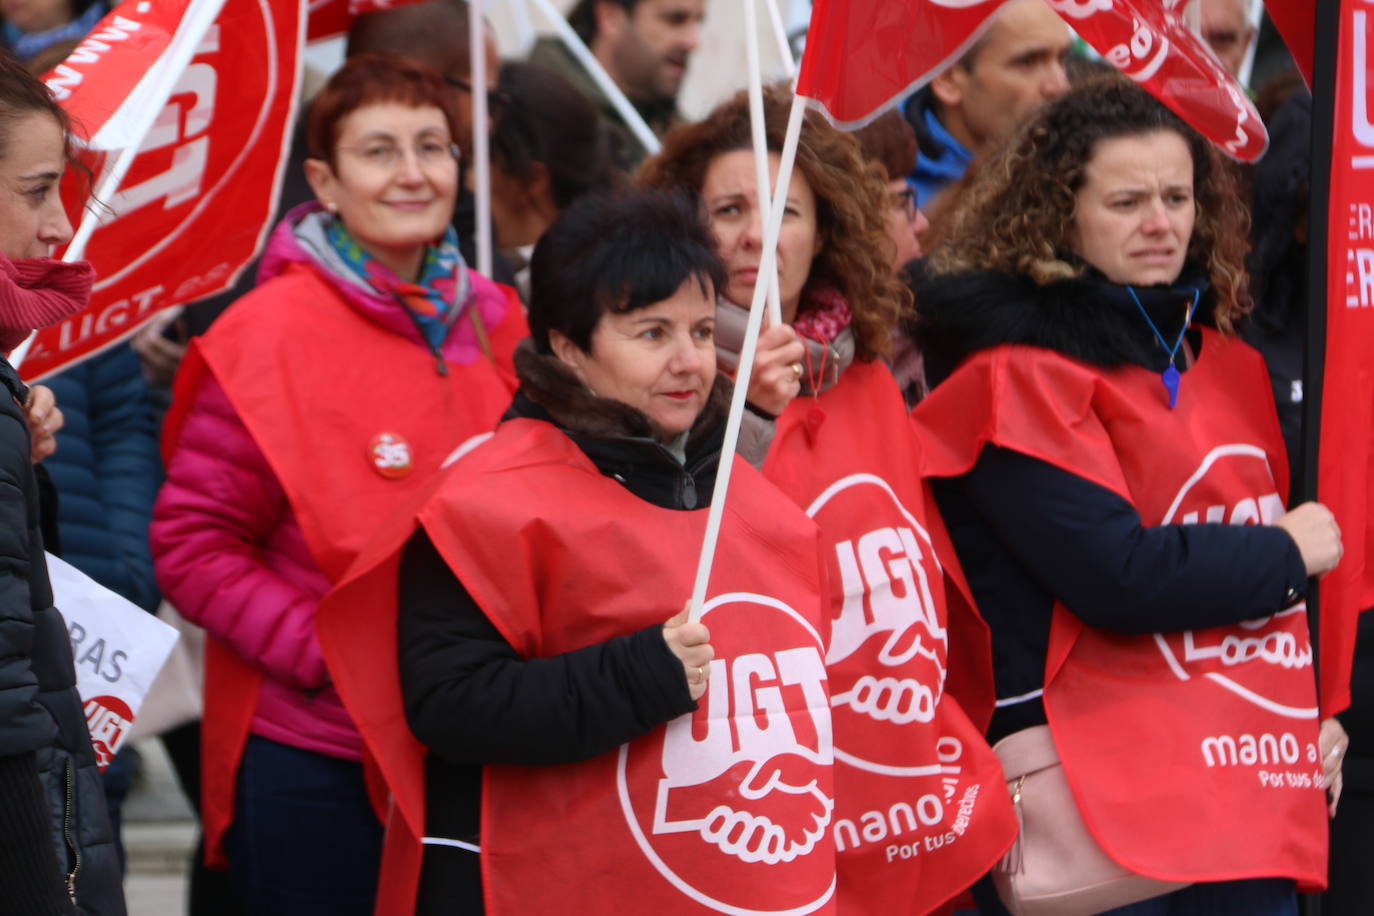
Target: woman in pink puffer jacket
[(315, 406)]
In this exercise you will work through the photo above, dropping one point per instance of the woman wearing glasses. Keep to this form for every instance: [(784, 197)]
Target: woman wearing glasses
[(365, 357)]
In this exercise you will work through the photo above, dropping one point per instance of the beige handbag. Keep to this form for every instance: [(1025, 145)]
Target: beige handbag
[(1055, 867)]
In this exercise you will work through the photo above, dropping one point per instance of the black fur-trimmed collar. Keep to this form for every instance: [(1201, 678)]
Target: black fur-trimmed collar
[(550, 384), (1086, 318), (621, 441)]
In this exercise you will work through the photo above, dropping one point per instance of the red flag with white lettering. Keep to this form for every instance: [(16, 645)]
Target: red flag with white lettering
[(863, 55), (1346, 455), (195, 203)]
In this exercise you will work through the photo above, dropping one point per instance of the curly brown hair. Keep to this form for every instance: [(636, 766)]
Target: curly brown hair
[(851, 198), (1017, 215)]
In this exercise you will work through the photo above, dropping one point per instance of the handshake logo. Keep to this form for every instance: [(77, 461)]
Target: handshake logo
[(739, 793)]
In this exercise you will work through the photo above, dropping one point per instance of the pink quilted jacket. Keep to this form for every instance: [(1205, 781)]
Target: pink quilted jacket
[(227, 549)]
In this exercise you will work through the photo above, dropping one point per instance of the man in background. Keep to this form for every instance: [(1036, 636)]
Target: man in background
[(644, 47), (1011, 70), (1226, 27)]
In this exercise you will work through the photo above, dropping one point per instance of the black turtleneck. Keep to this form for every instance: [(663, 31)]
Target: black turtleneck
[(1028, 533)]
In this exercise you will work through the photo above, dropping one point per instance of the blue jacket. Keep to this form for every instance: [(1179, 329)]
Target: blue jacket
[(107, 471), (940, 158)]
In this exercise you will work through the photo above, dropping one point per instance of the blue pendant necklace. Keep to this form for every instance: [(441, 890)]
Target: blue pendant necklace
[(1169, 376)]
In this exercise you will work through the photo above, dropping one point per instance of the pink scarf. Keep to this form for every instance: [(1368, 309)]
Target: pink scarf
[(37, 292)]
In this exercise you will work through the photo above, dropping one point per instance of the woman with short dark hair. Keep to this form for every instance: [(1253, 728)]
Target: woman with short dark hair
[(1096, 423), (543, 651)]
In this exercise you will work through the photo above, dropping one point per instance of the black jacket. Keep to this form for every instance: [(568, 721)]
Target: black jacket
[(53, 819), (1277, 264), (472, 700), (1028, 533)]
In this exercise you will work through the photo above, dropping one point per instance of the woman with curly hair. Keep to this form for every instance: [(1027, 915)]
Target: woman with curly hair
[(1114, 482), (842, 447)]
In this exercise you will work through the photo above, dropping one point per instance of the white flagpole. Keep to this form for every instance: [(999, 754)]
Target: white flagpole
[(1255, 16), (179, 55), (574, 44), (481, 139), (768, 263), (780, 36), (18, 353), (759, 131)]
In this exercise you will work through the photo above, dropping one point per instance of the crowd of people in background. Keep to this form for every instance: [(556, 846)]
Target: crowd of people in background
[(461, 583)]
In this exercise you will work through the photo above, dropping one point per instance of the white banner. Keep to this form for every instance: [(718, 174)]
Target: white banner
[(118, 649)]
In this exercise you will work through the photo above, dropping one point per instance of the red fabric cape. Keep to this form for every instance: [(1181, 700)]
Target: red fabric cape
[(1192, 755), (559, 556), (316, 383), (905, 639)]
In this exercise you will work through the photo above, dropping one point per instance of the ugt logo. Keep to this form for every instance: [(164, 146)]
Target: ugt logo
[(1256, 659), (732, 804), (888, 644)]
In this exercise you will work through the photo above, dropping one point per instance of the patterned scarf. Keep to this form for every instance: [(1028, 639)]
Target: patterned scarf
[(38, 292), (822, 323), (443, 280)]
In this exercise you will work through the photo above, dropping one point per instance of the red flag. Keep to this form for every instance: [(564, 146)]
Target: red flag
[(863, 55), (1347, 448), (1149, 42), (1297, 24), (107, 67), (193, 207)]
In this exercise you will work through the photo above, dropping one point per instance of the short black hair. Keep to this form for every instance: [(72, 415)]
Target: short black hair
[(616, 252), (583, 16)]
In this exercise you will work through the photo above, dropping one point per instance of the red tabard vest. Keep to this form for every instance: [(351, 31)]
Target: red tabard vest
[(725, 810), (351, 417), (921, 812), (1192, 755)]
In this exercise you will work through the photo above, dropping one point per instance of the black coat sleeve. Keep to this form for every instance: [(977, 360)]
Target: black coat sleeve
[(24, 724), (471, 699), (1088, 547)]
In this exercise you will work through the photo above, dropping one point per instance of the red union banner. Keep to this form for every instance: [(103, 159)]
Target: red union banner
[(192, 209), (119, 54), (902, 44), (1347, 448)]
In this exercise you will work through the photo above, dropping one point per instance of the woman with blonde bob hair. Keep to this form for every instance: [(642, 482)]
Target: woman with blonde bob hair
[(1113, 481), (837, 440)]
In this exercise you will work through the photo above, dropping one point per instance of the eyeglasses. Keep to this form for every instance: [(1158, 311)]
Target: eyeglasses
[(905, 200), (384, 155), (496, 99)]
